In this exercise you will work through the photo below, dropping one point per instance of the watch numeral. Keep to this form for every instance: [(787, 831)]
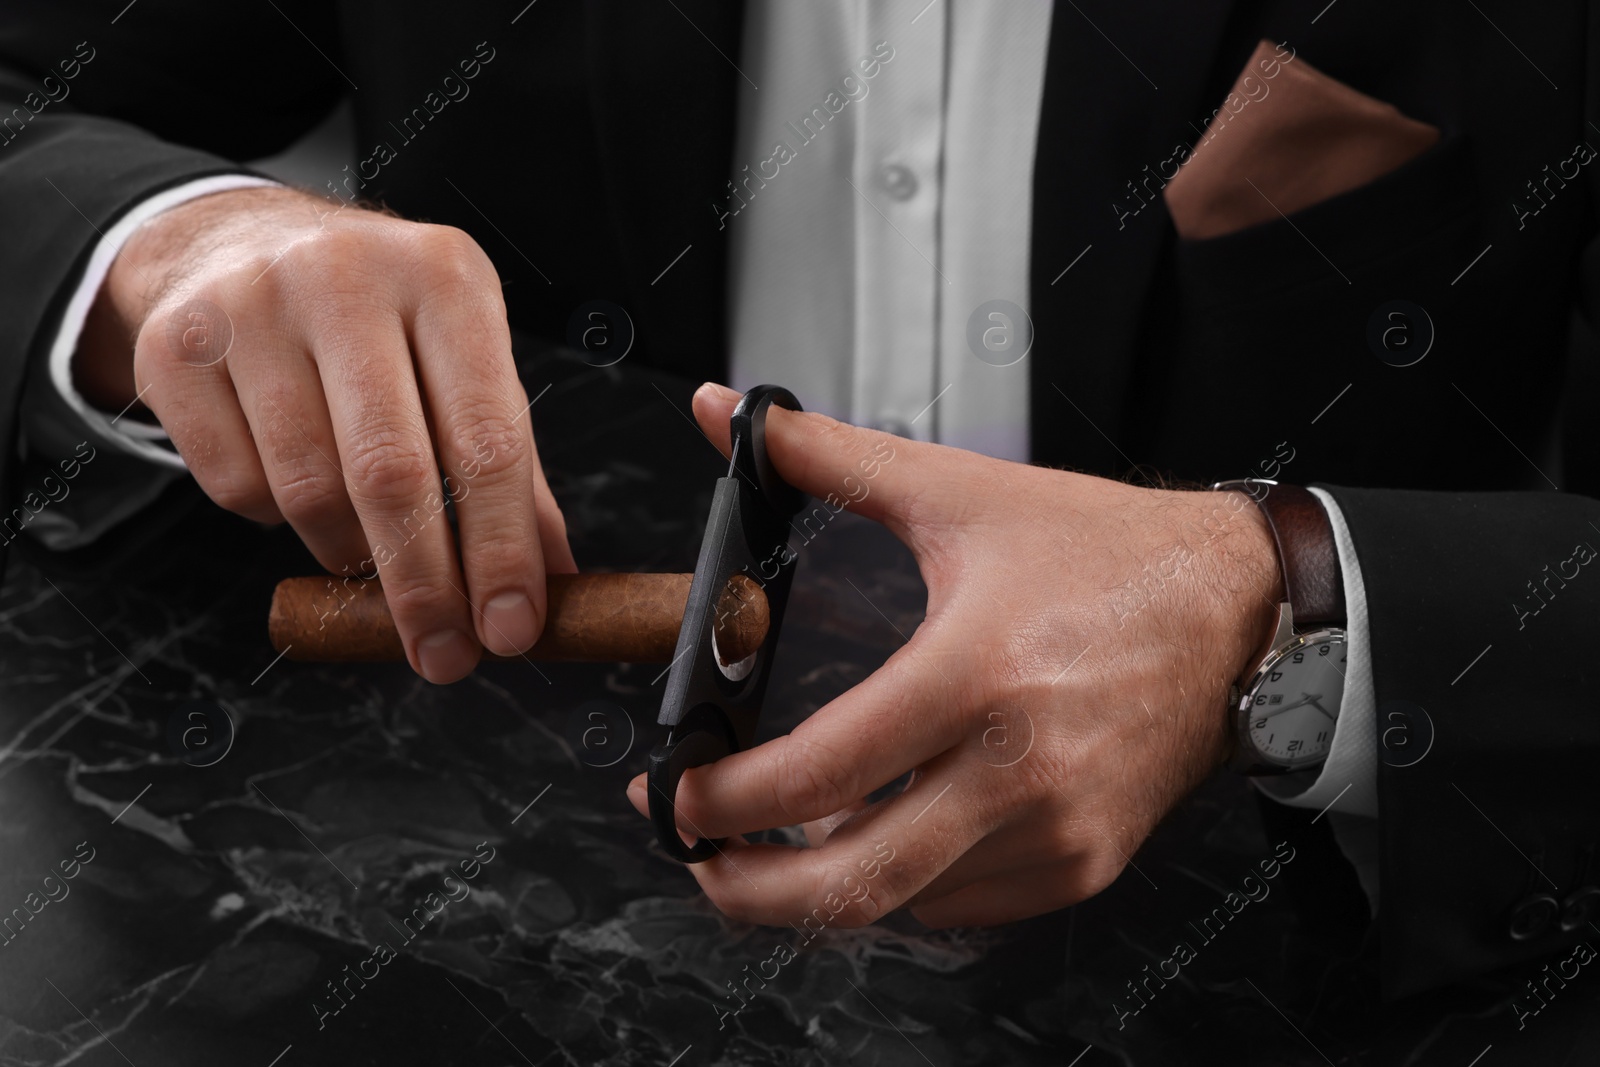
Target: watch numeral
[(1260, 700), (1276, 676), (1294, 746), (1299, 657), (1323, 650), (1323, 736), (1260, 723)]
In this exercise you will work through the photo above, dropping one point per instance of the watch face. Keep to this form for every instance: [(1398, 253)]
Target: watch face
[(1295, 700)]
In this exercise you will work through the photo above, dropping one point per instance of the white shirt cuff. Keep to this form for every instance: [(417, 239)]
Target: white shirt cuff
[(131, 436)]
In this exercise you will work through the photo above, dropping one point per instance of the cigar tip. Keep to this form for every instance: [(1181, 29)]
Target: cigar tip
[(743, 618)]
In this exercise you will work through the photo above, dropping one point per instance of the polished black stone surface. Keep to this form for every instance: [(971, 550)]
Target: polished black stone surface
[(280, 896)]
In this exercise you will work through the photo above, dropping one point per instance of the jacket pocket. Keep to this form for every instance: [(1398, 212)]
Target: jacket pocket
[(1420, 211)]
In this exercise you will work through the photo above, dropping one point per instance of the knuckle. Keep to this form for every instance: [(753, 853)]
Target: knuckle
[(333, 274), (315, 259), (839, 435), (999, 721), (844, 441), (1031, 784), (155, 362), (331, 251), (309, 494), (1095, 875), (1060, 839), (172, 343), (1021, 668), (862, 901), (857, 914), (388, 468), (420, 599), (1091, 848), (449, 252), (488, 439), (803, 786), (237, 491), (493, 559), (280, 418)]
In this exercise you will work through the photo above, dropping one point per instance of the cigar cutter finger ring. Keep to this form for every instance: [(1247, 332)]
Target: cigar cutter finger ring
[(711, 708)]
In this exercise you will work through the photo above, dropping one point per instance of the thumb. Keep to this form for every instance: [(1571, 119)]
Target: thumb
[(874, 474), (713, 406)]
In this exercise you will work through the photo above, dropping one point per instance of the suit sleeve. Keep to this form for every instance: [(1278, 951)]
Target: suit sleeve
[(1484, 615), (125, 463), (98, 112), (1484, 610)]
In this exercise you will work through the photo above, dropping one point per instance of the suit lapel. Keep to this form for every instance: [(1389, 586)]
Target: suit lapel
[(664, 103), (1105, 116)]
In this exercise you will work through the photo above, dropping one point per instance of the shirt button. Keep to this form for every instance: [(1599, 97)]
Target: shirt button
[(898, 181)]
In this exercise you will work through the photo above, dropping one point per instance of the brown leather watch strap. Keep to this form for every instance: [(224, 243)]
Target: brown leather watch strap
[(1304, 533)]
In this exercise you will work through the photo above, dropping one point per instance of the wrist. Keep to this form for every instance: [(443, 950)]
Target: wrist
[(1229, 614), (1288, 707), (1252, 582)]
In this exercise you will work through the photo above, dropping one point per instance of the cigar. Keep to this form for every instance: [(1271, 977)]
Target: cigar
[(608, 618)]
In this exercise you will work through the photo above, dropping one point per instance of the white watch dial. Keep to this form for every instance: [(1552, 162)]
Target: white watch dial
[(1295, 701)]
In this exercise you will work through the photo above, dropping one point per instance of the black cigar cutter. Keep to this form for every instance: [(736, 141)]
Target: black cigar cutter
[(710, 709)]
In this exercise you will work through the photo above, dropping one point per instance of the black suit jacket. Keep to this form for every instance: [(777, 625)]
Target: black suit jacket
[(595, 144)]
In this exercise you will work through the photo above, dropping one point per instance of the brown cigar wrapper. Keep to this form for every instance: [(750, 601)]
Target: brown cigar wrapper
[(610, 618)]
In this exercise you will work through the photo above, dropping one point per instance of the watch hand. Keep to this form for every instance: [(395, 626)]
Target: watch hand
[(1290, 707), (1325, 711), (1278, 711)]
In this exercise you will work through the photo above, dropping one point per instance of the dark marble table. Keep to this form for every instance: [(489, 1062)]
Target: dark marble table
[(294, 893)]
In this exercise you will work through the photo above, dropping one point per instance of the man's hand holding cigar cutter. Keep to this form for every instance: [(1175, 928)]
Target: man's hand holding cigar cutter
[(1079, 671), (1048, 722)]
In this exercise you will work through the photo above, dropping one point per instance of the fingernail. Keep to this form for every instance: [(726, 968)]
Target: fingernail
[(638, 795), (721, 392), (446, 656), (508, 624)]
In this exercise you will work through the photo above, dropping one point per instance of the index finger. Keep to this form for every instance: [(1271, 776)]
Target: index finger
[(836, 756), (870, 865)]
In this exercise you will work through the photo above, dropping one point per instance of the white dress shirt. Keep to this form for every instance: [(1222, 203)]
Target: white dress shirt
[(898, 206), (855, 270)]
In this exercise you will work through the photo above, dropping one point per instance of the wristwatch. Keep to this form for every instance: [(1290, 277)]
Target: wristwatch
[(1285, 709)]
